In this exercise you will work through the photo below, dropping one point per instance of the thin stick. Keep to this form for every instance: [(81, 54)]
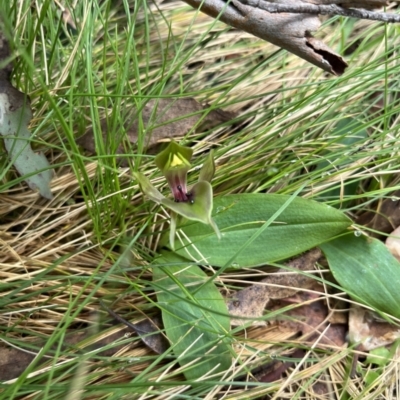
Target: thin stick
[(331, 9), (116, 316)]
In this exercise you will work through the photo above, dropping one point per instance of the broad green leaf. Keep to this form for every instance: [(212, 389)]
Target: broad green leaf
[(372, 377), (195, 316), (301, 225), (365, 268)]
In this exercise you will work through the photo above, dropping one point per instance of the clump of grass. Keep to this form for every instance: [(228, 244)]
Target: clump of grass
[(96, 238)]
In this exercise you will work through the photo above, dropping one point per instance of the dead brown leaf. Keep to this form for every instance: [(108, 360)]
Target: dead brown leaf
[(5, 52), (161, 119), (393, 243), (66, 15), (250, 303), (311, 319), (14, 361), (320, 390), (369, 331)]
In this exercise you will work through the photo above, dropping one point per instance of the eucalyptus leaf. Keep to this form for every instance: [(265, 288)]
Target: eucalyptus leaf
[(302, 225), (195, 316), (14, 122), (365, 268)]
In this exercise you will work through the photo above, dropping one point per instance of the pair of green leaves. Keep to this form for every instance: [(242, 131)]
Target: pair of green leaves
[(255, 228), (196, 319)]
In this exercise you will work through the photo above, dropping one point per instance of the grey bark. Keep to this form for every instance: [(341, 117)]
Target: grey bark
[(367, 4), (324, 9), (289, 31)]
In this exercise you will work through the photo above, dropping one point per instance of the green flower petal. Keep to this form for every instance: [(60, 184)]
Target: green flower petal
[(174, 157), (201, 206), (208, 169), (147, 188), (174, 163), (200, 210)]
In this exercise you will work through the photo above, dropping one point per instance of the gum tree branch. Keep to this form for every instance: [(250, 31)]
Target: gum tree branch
[(289, 23), (322, 9), (367, 4), (288, 31)]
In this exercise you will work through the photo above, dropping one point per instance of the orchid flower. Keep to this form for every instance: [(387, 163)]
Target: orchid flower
[(195, 204)]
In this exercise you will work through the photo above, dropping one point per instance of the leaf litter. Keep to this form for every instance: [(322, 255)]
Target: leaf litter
[(393, 243), (306, 313), (14, 360), (148, 330)]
